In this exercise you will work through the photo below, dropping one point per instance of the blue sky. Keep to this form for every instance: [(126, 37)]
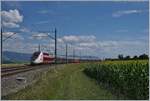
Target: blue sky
[(103, 29)]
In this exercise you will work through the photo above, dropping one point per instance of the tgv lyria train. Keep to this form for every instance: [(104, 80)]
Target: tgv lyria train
[(45, 58), (42, 58)]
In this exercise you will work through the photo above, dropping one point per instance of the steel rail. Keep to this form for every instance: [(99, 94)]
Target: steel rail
[(15, 70)]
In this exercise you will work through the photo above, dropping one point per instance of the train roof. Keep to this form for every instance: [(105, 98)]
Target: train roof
[(44, 53)]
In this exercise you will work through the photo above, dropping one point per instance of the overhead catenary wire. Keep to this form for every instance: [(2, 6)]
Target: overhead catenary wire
[(9, 37)]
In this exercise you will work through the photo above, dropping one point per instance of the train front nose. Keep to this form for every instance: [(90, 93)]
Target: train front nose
[(34, 57), (33, 60)]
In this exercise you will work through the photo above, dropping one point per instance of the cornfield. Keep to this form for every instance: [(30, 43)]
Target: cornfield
[(130, 78)]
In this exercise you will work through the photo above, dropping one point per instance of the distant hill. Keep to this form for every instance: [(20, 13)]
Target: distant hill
[(15, 57), (11, 57)]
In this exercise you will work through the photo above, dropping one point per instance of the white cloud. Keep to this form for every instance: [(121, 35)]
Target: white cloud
[(87, 38), (87, 42), (10, 24), (11, 18), (105, 44), (24, 29), (6, 34), (60, 40), (70, 38), (92, 46), (76, 39), (90, 42), (21, 46), (38, 35), (126, 12)]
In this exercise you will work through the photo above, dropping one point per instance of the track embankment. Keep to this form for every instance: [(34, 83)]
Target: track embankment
[(14, 80)]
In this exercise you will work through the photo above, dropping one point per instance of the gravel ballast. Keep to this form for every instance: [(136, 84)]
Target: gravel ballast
[(14, 83)]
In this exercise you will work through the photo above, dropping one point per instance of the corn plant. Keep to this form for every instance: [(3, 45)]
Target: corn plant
[(131, 78)]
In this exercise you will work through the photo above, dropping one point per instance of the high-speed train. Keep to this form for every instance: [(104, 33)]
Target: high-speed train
[(45, 58), (42, 58)]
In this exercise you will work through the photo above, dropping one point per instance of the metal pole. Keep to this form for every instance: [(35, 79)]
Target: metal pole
[(1, 46), (80, 55), (73, 54), (39, 48), (66, 53), (55, 46)]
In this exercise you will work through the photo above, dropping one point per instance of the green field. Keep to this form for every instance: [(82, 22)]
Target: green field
[(70, 82), (130, 78)]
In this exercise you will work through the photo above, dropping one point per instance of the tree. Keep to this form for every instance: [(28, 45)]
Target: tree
[(127, 57), (135, 57), (143, 56), (120, 57)]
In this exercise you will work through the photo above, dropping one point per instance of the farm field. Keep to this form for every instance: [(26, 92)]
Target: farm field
[(130, 78), (72, 81)]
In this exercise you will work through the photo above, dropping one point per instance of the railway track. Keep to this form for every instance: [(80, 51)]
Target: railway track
[(8, 71), (15, 70)]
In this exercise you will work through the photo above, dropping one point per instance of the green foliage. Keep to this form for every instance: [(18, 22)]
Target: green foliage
[(131, 78), (143, 56), (120, 56)]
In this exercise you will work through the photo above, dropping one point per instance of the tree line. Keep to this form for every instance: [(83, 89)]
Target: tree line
[(121, 57)]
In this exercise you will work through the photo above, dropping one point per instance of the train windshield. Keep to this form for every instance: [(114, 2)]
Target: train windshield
[(35, 55)]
